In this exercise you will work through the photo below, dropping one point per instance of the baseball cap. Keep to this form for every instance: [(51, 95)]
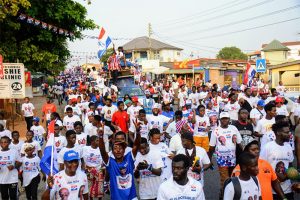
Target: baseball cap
[(261, 103), (224, 115), (127, 102), (71, 155), (135, 99), (156, 105), (36, 119), (278, 100), (90, 113)]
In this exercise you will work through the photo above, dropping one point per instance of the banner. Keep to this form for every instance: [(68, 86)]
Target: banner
[(12, 84)]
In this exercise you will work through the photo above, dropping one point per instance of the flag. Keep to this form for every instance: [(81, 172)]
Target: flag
[(249, 74), (179, 125), (103, 42), (37, 22), (48, 162), (22, 16)]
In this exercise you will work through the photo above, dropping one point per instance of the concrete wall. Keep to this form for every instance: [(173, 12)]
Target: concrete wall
[(288, 77), (169, 55), (294, 53), (275, 57), (215, 77)]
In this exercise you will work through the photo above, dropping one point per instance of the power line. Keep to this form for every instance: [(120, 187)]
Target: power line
[(229, 4), (247, 29), (222, 15), (241, 21)]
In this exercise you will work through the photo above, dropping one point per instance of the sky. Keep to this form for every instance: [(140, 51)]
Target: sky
[(199, 27)]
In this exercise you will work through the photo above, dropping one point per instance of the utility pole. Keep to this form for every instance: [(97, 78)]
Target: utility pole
[(150, 32)]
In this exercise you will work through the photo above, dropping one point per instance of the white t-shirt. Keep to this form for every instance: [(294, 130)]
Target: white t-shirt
[(38, 133), (60, 142), (69, 187), (144, 131), (282, 110), (108, 112), (171, 190), (203, 95), (17, 147), (175, 143), (90, 129), (92, 157), (68, 122), (182, 96), (30, 168), (133, 112), (249, 190), (264, 126), (76, 148), (225, 141), (280, 89), (201, 125), (5, 132), (194, 97), (157, 121), (28, 109), (163, 150), (8, 158), (203, 160), (257, 114), (149, 183), (37, 148), (81, 139), (279, 157), (171, 130), (233, 110)]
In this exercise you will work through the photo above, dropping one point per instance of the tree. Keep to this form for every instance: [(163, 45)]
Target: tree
[(231, 53), (41, 49), (105, 56)]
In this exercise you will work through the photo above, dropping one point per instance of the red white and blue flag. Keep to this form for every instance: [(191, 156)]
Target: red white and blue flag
[(103, 42), (249, 74)]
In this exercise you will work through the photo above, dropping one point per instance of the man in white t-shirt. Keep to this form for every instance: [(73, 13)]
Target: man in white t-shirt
[(148, 168), (69, 183), (257, 113), (182, 96), (280, 155), (180, 185), (70, 119), (250, 188), (224, 140), (194, 97), (28, 112), (280, 89), (108, 110), (232, 107), (264, 126)]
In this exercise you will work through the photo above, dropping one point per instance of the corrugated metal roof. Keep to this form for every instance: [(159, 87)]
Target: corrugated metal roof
[(142, 43), (275, 45)]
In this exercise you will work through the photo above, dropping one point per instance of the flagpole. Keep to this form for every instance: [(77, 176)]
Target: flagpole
[(52, 155)]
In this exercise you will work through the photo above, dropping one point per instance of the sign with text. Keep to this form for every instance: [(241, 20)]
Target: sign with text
[(12, 82)]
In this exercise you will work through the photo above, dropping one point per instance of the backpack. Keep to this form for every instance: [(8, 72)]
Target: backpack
[(237, 186)]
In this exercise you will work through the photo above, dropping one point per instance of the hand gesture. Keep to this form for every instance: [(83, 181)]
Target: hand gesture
[(50, 181), (100, 130), (10, 167), (142, 165)]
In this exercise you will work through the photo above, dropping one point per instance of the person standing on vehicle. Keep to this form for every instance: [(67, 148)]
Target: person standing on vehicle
[(114, 66)]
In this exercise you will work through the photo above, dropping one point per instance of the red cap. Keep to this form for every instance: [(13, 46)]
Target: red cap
[(278, 100), (134, 99)]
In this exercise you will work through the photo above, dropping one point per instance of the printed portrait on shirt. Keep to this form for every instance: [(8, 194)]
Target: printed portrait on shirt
[(222, 140), (64, 193), (280, 167), (80, 192), (234, 138)]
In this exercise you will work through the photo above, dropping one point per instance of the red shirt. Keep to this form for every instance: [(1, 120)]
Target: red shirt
[(120, 118)]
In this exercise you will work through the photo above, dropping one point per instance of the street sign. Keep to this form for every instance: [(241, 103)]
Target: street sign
[(12, 84), (261, 65)]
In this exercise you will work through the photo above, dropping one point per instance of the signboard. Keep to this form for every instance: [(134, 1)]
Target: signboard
[(12, 83), (186, 64), (261, 65)]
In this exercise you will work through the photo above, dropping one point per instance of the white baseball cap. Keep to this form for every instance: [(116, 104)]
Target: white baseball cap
[(224, 115), (156, 105)]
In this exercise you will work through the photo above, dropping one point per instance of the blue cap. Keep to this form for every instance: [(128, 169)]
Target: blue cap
[(71, 155), (36, 119), (261, 103)]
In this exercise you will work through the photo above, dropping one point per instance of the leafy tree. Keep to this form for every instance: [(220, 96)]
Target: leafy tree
[(105, 56), (231, 53), (41, 49)]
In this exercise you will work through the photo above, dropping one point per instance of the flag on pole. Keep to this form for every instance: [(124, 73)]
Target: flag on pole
[(249, 74), (103, 42), (48, 162)]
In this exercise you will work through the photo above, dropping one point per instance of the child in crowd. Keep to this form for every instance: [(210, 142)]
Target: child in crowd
[(38, 130), (37, 147), (81, 137)]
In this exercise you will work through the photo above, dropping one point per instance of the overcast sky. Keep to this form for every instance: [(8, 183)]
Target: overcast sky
[(198, 26)]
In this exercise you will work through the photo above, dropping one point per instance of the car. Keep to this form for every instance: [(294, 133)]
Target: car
[(126, 85)]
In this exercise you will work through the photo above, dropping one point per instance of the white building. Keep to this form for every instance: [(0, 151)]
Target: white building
[(143, 48)]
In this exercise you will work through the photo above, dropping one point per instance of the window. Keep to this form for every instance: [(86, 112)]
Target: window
[(143, 54), (178, 53), (221, 73)]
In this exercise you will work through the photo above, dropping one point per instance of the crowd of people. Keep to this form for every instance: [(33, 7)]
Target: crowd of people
[(164, 144)]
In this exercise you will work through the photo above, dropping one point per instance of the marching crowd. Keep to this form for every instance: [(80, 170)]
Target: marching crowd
[(107, 144)]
